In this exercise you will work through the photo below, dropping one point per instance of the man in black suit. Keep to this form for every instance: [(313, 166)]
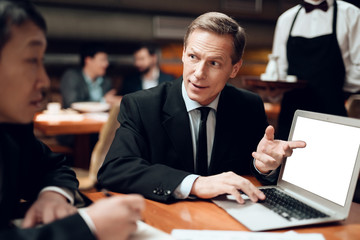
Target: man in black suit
[(30, 173), (149, 74), (156, 150)]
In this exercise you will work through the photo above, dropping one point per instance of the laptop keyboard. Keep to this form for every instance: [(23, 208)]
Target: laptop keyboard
[(288, 207)]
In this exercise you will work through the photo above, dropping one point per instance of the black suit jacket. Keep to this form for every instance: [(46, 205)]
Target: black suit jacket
[(134, 83), (27, 167), (152, 150), (74, 88)]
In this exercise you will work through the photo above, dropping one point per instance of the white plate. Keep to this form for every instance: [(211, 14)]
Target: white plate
[(90, 106)]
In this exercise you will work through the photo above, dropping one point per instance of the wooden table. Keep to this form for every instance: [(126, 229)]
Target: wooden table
[(206, 215), (81, 129), (271, 91), (255, 81), (85, 126)]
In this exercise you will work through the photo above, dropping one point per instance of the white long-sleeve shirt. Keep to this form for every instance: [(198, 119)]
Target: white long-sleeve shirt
[(70, 196), (318, 23)]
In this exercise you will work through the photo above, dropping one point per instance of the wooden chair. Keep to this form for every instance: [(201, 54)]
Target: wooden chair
[(101, 148)]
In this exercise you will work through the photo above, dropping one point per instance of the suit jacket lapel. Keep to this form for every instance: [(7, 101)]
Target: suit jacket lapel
[(223, 130), (177, 125)]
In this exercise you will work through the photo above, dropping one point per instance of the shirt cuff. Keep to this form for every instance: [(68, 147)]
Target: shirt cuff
[(69, 195), (271, 176), (184, 188), (87, 219), (272, 172)]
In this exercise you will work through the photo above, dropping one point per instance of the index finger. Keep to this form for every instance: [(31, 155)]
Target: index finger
[(297, 144)]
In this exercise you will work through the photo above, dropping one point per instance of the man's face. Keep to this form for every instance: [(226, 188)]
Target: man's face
[(22, 75), (207, 65), (98, 64), (144, 61)]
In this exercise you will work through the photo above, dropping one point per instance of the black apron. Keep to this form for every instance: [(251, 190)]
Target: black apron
[(318, 61)]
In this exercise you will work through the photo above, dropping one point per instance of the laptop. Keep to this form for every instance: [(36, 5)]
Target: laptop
[(320, 179)]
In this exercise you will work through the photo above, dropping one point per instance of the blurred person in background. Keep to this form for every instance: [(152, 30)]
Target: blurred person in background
[(88, 83), (149, 74)]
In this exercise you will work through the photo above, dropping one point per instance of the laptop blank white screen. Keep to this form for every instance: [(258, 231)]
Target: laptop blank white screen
[(325, 166)]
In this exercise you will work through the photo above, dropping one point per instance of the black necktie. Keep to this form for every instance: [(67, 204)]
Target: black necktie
[(309, 7), (201, 152)]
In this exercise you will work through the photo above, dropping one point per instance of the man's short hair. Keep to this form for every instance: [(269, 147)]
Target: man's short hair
[(151, 47), (90, 50), (221, 24), (17, 13)]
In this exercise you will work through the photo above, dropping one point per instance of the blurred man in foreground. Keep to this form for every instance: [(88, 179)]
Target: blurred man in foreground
[(29, 171)]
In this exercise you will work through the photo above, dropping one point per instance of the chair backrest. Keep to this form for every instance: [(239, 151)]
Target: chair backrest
[(353, 106), (102, 146)]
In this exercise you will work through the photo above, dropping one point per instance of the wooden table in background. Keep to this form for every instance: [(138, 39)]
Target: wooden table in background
[(271, 91), (281, 86), (86, 126), (201, 214), (81, 129)]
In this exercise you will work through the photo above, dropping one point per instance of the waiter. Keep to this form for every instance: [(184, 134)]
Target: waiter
[(318, 41)]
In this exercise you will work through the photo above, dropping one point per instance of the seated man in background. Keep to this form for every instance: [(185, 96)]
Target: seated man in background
[(165, 148), (29, 171), (149, 74), (88, 83)]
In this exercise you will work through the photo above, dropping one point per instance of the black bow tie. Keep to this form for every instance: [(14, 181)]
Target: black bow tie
[(309, 7)]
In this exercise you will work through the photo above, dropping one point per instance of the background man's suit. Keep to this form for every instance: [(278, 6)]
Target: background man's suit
[(27, 166), (152, 150), (75, 89), (134, 83)]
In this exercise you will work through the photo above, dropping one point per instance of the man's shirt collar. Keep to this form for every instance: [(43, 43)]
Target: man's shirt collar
[(191, 104)]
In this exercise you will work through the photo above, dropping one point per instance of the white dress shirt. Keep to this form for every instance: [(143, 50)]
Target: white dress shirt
[(153, 81), (183, 190), (317, 23), (96, 93)]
